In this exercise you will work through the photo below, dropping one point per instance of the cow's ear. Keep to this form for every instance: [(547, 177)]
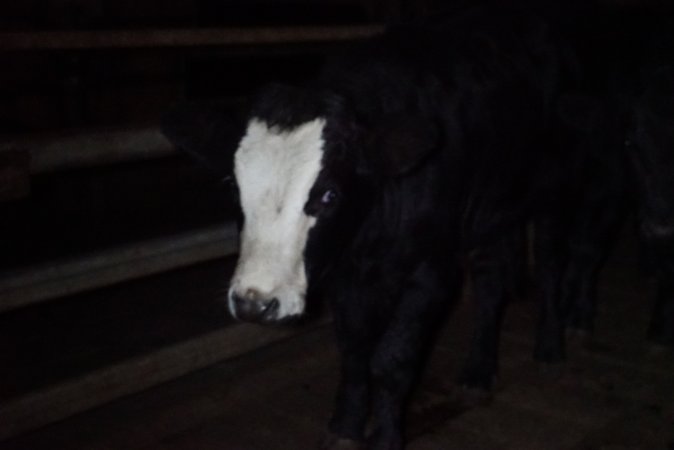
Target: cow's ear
[(208, 132), (397, 144)]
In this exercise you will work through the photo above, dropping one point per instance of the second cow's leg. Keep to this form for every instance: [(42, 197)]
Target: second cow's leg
[(592, 236), (492, 278), (661, 242), (549, 261)]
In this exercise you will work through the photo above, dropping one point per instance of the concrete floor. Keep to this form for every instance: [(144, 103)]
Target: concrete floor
[(615, 393)]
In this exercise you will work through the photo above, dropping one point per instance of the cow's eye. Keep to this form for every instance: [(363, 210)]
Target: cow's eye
[(322, 202), (329, 197)]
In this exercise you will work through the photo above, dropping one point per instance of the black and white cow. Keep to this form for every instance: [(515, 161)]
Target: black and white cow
[(370, 183)]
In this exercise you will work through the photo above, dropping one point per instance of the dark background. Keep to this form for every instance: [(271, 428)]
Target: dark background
[(46, 91)]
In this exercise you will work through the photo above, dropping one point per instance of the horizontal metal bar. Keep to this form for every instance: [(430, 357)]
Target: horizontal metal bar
[(85, 40), (53, 152), (60, 278)]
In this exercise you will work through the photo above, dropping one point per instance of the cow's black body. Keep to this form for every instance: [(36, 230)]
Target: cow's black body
[(443, 140), (485, 90)]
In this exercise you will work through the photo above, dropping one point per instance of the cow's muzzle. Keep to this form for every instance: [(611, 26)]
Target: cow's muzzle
[(253, 307)]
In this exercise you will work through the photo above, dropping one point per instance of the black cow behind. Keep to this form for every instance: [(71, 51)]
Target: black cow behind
[(575, 229), (651, 149), (628, 89), (436, 140)]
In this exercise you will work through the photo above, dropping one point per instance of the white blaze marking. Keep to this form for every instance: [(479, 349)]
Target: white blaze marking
[(275, 171)]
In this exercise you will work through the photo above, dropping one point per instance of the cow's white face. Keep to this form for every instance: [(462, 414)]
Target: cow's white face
[(306, 187), (275, 171)]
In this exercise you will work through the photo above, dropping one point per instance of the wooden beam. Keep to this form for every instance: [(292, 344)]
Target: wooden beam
[(88, 148), (158, 38), (60, 278)]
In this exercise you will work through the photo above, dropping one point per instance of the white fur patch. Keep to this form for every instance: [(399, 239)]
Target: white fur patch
[(275, 171)]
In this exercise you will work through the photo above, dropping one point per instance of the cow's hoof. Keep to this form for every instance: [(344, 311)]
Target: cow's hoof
[(333, 442), (476, 388)]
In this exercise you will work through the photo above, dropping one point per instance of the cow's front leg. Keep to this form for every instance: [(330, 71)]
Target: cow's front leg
[(355, 322), (400, 353), (352, 400)]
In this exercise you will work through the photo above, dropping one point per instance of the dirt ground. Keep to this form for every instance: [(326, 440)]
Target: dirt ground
[(615, 392)]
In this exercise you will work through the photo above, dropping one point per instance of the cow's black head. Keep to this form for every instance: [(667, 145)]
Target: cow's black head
[(307, 170)]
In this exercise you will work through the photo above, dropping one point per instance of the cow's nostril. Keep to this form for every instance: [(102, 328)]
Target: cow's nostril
[(271, 309)]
